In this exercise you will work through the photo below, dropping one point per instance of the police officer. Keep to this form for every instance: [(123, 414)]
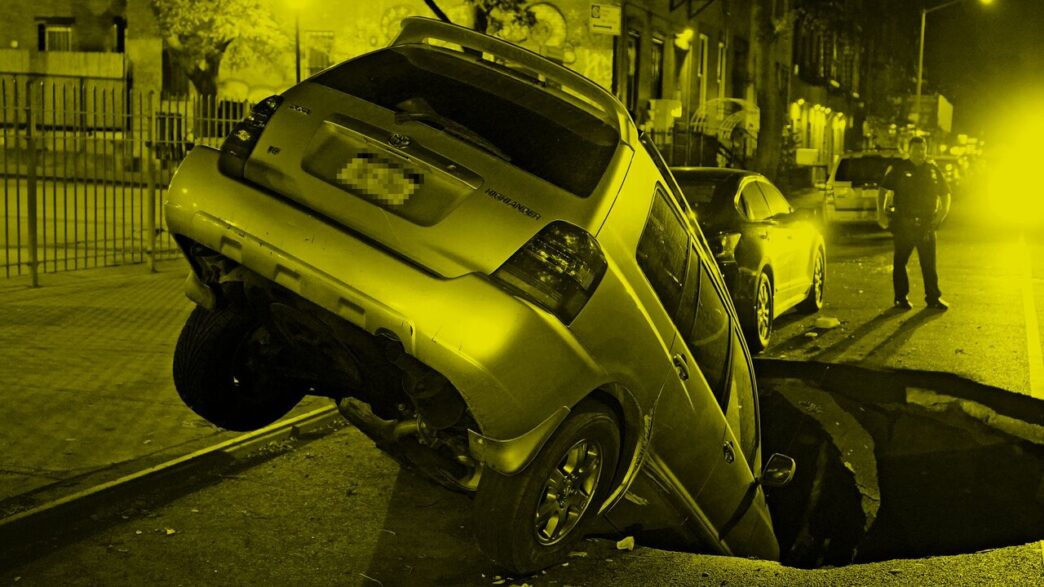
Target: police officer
[(921, 202)]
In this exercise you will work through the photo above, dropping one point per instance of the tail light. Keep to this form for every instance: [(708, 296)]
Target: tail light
[(723, 245), (244, 136), (558, 270)]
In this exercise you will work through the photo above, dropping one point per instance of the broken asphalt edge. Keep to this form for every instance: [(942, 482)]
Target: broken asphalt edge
[(883, 384), (24, 535)]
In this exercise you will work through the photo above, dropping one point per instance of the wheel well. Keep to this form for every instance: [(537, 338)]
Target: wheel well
[(619, 400), (767, 270)]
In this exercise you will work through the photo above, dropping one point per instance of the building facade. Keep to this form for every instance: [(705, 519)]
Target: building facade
[(687, 70)]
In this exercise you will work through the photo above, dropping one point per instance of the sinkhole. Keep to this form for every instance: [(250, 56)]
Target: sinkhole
[(899, 464)]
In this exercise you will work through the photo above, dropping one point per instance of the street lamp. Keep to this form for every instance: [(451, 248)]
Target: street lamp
[(920, 49)]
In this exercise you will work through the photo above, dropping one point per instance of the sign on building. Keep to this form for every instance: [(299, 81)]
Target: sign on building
[(605, 18)]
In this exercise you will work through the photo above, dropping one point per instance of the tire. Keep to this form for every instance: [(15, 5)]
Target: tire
[(814, 301), (758, 328), (220, 374), (585, 449)]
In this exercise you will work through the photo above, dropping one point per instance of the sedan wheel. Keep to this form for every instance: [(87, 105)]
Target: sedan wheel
[(814, 301), (758, 330)]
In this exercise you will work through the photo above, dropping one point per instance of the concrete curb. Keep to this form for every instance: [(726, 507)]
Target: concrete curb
[(25, 534)]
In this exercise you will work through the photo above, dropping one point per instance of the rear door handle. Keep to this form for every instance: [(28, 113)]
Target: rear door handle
[(679, 364), (728, 452)]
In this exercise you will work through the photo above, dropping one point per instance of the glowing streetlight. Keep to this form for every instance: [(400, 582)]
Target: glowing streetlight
[(920, 50)]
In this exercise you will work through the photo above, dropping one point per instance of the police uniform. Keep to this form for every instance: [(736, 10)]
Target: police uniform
[(917, 192)]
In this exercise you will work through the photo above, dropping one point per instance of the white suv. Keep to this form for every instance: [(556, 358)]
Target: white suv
[(851, 190)]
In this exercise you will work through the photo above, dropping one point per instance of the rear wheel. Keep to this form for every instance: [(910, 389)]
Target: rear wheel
[(814, 301), (226, 370), (530, 521), (758, 329)]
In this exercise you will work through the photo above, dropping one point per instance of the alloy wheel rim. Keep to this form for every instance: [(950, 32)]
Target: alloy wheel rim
[(763, 311), (817, 279), (568, 492)]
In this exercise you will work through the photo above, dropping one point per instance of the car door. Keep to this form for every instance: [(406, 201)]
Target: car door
[(759, 232), (724, 404), (789, 246), (688, 426)]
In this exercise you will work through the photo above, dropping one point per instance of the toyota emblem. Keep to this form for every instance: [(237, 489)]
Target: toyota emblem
[(399, 141)]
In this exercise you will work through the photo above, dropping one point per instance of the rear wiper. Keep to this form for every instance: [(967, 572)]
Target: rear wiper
[(454, 128)]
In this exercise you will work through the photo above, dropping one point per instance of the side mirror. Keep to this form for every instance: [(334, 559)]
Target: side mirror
[(778, 471)]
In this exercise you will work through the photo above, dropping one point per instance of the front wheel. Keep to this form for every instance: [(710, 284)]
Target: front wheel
[(531, 520), (225, 370), (814, 301), (758, 329)]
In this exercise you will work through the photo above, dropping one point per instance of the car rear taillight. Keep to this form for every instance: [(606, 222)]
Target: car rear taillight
[(558, 270), (723, 245), (244, 136)]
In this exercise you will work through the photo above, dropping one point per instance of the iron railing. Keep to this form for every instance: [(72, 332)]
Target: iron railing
[(84, 168)]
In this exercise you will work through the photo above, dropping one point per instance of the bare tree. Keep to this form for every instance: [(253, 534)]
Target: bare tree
[(199, 34), (772, 34), (492, 16)]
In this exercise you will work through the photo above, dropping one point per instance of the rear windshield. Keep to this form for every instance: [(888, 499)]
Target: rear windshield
[(711, 195), (503, 112), (861, 171)]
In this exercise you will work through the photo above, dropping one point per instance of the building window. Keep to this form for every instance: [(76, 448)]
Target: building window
[(720, 69), (319, 44), (657, 69), (701, 67), (175, 79), (55, 37)]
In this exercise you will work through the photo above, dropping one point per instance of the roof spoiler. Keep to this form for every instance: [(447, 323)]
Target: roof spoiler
[(417, 29)]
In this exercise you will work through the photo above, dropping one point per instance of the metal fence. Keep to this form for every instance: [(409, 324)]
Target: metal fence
[(84, 168)]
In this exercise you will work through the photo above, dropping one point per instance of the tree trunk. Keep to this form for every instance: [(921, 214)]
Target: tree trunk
[(770, 95)]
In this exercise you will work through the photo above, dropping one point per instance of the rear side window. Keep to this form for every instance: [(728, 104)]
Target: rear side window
[(709, 339), (777, 203), (863, 171), (662, 252), (752, 203), (529, 126)]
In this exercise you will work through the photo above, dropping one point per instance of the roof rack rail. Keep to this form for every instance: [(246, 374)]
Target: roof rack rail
[(417, 29)]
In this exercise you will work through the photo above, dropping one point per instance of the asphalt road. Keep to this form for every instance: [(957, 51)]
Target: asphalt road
[(991, 273), (336, 511)]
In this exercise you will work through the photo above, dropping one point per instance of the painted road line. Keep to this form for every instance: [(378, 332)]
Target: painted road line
[(1036, 359)]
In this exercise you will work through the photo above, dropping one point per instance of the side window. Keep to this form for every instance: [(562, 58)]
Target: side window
[(777, 203), (754, 203), (741, 410), (709, 338), (662, 252), (676, 191), (686, 314)]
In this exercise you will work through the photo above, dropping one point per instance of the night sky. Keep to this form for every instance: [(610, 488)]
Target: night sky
[(987, 60)]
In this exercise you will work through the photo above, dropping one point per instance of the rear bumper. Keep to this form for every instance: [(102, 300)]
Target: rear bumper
[(513, 364), (863, 213)]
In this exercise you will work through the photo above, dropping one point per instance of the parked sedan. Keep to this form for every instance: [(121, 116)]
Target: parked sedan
[(773, 257)]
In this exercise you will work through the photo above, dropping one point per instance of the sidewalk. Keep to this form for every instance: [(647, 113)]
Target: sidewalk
[(85, 373)]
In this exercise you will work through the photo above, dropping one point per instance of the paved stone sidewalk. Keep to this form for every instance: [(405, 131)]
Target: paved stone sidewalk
[(85, 377)]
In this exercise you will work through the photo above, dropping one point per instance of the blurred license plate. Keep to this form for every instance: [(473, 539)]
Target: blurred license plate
[(376, 178)]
